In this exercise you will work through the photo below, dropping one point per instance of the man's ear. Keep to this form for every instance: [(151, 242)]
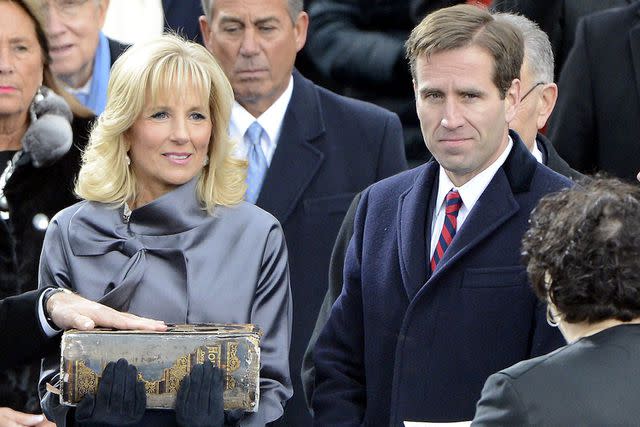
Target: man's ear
[(512, 100), (547, 101), (300, 28), (103, 5), (205, 31)]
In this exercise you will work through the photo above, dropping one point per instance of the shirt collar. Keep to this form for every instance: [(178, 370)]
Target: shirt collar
[(471, 191), (537, 153), (270, 120), (84, 90)]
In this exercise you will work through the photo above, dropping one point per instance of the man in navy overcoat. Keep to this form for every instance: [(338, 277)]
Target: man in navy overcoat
[(407, 340)]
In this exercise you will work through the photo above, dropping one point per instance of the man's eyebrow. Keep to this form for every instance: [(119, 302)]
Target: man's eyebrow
[(230, 19), (266, 20), (470, 91), (429, 89)]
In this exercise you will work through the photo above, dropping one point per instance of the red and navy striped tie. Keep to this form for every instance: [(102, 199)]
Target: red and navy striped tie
[(452, 207)]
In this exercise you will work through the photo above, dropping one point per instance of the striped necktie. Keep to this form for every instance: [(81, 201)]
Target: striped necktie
[(257, 162), (453, 203)]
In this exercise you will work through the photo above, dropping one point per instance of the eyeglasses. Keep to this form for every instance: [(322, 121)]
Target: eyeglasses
[(65, 8), (531, 90)]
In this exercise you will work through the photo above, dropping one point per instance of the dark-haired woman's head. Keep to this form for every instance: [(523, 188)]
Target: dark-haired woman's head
[(583, 251)]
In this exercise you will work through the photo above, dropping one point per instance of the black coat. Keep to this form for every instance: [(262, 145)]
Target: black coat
[(32, 192), (592, 382), (595, 123), (21, 336), (553, 160)]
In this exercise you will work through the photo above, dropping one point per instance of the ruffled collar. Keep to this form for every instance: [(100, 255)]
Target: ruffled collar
[(96, 226), (175, 212), (97, 229)]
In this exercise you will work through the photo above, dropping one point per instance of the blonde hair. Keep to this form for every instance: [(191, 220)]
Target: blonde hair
[(164, 65)]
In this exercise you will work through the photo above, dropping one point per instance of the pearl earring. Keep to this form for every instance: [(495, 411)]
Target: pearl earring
[(206, 160)]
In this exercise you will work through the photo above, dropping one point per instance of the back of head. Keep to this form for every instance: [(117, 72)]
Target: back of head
[(538, 52), (583, 251), (163, 67), (463, 26)]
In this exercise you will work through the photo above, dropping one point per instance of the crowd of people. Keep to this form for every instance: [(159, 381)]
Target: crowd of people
[(200, 176)]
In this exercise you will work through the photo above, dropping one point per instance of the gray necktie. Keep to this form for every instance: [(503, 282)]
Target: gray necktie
[(257, 162)]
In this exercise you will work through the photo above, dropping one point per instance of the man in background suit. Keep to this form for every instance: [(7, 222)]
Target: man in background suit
[(537, 100), (81, 55), (427, 313), (538, 94), (595, 125), (314, 149), (29, 323)]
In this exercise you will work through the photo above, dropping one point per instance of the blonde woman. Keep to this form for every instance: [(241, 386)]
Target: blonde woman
[(163, 231)]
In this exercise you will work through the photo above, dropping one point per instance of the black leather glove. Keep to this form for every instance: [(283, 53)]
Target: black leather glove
[(120, 400), (199, 401), (232, 418)]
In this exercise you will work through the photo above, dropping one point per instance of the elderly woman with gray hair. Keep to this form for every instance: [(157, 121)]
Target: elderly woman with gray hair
[(583, 256)]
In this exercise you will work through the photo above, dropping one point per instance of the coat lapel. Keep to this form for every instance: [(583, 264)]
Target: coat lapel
[(634, 40), (414, 216), (494, 207), (296, 160)]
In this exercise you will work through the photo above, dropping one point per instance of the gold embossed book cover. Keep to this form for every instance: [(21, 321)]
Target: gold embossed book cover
[(163, 359)]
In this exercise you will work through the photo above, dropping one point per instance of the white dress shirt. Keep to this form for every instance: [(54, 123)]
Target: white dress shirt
[(44, 323), (270, 120), (470, 192), (537, 153)]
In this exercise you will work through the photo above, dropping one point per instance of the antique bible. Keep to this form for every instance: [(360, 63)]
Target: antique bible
[(163, 359)]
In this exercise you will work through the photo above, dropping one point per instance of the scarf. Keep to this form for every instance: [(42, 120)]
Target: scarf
[(96, 99)]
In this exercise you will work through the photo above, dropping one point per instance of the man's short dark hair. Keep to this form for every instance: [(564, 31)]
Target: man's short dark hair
[(586, 241), (462, 26)]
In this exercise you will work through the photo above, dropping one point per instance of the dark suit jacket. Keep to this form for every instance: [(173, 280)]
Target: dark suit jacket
[(182, 16), (22, 338), (592, 382), (553, 162), (330, 148), (116, 49), (401, 344), (595, 123)]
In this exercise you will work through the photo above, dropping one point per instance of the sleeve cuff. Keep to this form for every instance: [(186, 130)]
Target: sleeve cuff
[(48, 330)]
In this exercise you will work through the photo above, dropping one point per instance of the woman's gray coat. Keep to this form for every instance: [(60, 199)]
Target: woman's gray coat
[(174, 262)]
